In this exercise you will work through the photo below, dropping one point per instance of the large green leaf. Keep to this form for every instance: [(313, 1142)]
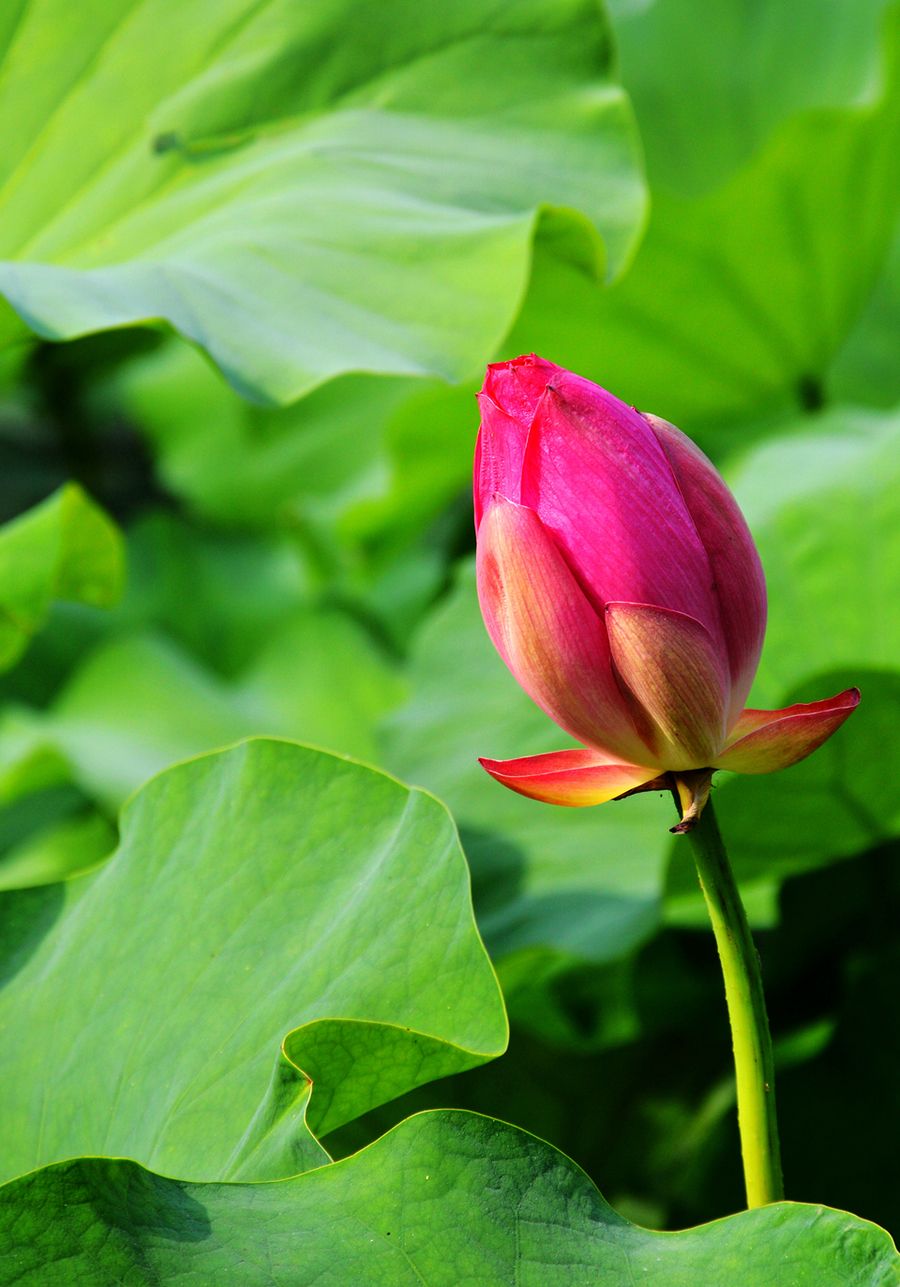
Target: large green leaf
[(266, 894), (305, 191), (771, 223), (444, 1199), (64, 548)]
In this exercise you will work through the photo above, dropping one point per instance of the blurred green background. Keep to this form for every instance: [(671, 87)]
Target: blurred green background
[(293, 490)]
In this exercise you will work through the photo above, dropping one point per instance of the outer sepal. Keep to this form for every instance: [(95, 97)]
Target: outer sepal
[(765, 741), (575, 778)]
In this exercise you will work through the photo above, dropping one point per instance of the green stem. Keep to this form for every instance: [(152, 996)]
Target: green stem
[(754, 1066)]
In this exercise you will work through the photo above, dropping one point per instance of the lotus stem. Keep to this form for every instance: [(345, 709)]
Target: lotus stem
[(752, 1042)]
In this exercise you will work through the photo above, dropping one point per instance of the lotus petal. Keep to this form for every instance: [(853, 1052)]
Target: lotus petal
[(597, 475), (507, 401), (736, 569), (672, 668), (548, 633)]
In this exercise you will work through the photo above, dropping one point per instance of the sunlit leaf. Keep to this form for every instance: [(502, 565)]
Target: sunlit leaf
[(296, 202), (262, 895)]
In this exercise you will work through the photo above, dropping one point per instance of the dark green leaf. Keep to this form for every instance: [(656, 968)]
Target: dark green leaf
[(444, 1199)]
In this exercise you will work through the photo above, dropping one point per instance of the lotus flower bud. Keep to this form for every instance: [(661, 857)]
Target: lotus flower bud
[(619, 582)]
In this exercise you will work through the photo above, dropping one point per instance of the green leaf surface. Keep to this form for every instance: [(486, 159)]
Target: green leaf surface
[(774, 206), (64, 548), (357, 466), (221, 595), (866, 370), (444, 1199), (140, 702), (823, 503), (266, 894), (760, 66), (241, 464), (304, 192)]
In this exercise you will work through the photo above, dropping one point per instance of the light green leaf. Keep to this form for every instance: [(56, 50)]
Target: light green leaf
[(134, 707), (64, 548), (246, 465), (304, 192), (444, 1199), (29, 759), (220, 594), (268, 893), (866, 370)]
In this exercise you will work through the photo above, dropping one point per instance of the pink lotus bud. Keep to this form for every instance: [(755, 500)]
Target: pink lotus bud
[(620, 584)]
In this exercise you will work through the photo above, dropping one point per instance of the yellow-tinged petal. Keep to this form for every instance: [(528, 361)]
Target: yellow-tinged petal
[(548, 633), (575, 778)]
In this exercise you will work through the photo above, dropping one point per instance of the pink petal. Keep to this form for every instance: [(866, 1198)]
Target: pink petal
[(597, 475), (518, 386), (548, 633), (510, 393), (577, 777), (674, 671), (763, 741), (737, 571)]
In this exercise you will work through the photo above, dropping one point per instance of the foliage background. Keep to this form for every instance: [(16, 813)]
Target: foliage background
[(321, 265)]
